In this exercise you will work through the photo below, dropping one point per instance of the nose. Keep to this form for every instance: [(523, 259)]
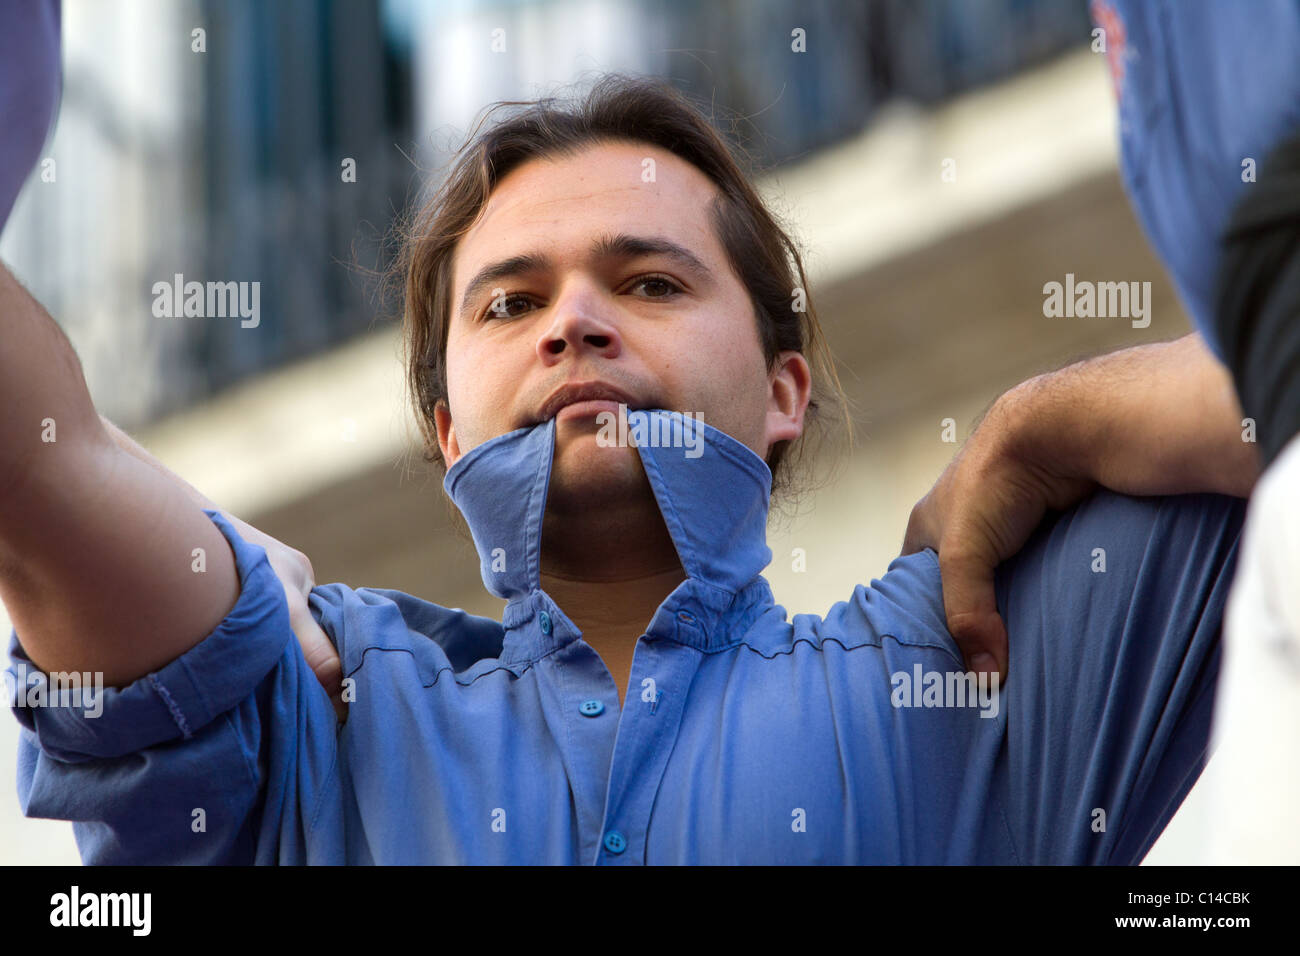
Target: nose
[(583, 325)]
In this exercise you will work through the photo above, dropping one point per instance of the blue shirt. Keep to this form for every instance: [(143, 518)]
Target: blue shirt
[(745, 736), (1203, 86), (31, 85)]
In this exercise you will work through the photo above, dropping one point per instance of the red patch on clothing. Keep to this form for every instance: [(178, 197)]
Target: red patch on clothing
[(1106, 17)]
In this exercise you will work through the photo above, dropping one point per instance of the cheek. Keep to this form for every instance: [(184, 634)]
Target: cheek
[(456, 397), (469, 389), (483, 382), (730, 383)]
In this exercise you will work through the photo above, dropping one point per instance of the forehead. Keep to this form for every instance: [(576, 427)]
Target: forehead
[(558, 203)]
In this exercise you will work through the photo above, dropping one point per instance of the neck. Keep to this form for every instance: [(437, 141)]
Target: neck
[(609, 589)]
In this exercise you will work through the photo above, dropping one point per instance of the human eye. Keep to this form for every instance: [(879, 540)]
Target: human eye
[(500, 306), (662, 282)]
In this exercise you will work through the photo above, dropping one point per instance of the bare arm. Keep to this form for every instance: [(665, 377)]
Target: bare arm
[(291, 566), (1156, 419), (96, 546)]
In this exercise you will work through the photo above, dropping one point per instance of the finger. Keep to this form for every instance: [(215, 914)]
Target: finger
[(920, 531), (970, 606), (325, 664), (318, 650), (328, 671)]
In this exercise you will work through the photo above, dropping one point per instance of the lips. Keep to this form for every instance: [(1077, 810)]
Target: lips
[(582, 393)]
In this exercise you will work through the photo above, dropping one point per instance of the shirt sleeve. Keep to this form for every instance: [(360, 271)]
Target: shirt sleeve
[(225, 755), (1113, 614)]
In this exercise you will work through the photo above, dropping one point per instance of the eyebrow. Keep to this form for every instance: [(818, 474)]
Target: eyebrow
[(617, 246)]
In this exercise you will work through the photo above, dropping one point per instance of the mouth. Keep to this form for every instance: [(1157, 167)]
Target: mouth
[(581, 401), (586, 411)]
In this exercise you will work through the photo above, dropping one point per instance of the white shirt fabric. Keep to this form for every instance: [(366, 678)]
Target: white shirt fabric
[(1255, 795)]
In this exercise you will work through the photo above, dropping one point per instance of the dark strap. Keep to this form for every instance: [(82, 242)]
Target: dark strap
[(1257, 311)]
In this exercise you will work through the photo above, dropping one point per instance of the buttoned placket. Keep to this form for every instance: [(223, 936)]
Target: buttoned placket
[(614, 758), (662, 670)]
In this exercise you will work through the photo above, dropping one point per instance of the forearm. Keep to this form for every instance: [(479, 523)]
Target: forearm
[(98, 540), (128, 445), (97, 552), (292, 566), (45, 404), (1148, 420), (47, 418)]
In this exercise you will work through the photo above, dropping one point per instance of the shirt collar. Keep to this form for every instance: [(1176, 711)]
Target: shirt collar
[(712, 490)]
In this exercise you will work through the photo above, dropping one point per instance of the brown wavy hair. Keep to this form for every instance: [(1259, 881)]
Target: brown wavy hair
[(626, 108)]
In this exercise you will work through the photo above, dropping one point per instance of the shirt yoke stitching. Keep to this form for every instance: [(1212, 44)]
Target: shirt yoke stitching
[(439, 672), (816, 645)]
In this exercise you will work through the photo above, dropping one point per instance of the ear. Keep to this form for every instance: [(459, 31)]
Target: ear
[(446, 433), (789, 390)]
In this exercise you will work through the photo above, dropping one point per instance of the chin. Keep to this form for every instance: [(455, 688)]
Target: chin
[(585, 474)]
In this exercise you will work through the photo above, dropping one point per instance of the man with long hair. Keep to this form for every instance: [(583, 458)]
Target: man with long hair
[(612, 348)]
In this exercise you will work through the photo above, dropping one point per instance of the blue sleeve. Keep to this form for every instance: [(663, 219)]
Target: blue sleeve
[(225, 755), (1113, 615)]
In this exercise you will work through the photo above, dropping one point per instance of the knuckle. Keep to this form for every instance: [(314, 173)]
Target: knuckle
[(955, 556), (304, 564), (965, 625)]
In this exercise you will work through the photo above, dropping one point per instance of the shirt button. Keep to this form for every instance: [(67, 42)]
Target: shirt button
[(592, 708), (615, 842), (685, 617), (545, 620)]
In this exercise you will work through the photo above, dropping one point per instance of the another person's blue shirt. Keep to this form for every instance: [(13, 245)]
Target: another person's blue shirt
[(744, 738), (31, 85), (1204, 86)]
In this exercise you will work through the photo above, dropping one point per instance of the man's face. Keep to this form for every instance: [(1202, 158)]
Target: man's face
[(591, 305)]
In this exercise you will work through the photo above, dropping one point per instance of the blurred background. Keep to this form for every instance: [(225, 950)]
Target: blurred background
[(940, 160)]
